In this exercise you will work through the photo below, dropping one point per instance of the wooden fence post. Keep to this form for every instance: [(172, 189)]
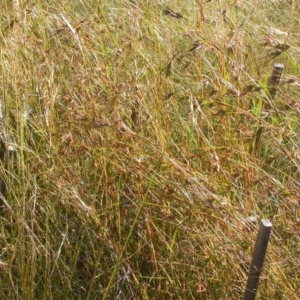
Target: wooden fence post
[(274, 79), (2, 158), (259, 254), (7, 155), (272, 89)]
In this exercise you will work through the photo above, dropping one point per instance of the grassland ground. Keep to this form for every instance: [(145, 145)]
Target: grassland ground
[(145, 140)]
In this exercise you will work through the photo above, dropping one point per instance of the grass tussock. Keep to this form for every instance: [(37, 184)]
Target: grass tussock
[(145, 138)]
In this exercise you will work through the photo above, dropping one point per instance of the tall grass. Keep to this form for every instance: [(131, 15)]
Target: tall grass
[(146, 141)]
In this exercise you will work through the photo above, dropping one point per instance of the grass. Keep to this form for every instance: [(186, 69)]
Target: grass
[(145, 138)]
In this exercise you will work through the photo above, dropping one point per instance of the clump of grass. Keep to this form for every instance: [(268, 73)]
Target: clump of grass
[(145, 139)]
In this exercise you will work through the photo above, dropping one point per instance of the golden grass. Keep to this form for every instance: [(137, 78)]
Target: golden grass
[(145, 139)]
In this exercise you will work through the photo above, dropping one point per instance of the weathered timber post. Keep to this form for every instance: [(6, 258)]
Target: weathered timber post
[(2, 159), (7, 155), (258, 258), (274, 79), (272, 89)]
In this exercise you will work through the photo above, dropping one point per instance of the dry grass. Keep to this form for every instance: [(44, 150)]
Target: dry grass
[(145, 139)]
